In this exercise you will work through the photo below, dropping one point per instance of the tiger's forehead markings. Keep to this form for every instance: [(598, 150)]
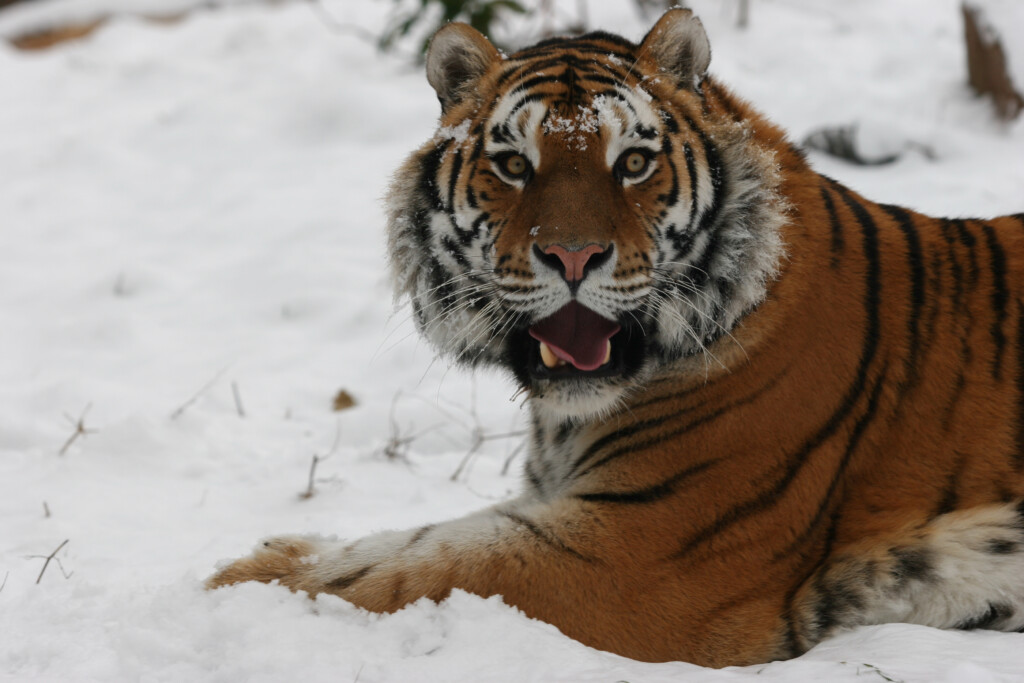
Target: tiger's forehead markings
[(575, 100), (604, 65)]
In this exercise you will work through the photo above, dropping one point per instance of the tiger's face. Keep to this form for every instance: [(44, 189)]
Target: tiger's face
[(574, 219)]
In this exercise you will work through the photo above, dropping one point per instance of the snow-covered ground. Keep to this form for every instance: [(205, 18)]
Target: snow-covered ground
[(192, 211)]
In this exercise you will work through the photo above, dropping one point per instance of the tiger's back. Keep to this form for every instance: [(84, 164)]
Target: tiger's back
[(763, 408)]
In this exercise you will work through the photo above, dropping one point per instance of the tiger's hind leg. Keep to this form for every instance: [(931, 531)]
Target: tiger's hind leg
[(964, 569)]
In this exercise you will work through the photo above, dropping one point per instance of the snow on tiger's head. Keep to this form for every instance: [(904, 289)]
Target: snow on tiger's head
[(576, 218)]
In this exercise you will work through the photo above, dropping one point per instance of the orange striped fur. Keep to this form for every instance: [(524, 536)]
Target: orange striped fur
[(813, 414)]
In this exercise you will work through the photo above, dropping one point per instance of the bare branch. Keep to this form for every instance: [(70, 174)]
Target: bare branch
[(512, 456), (49, 558), (238, 399), (308, 493), (196, 396), (478, 436), (317, 459), (80, 430), (397, 444), (335, 26)]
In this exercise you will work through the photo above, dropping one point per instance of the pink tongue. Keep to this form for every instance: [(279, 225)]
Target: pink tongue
[(577, 335)]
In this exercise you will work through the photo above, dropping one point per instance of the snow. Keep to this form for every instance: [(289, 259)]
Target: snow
[(194, 209)]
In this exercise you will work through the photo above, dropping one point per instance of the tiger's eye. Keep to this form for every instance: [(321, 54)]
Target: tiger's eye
[(635, 163), (515, 165)]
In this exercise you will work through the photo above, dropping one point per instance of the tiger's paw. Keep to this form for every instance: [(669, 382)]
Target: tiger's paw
[(289, 560)]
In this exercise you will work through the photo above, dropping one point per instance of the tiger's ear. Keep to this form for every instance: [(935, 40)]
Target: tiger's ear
[(456, 59), (679, 46)]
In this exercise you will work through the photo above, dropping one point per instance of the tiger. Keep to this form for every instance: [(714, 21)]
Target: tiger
[(762, 409)]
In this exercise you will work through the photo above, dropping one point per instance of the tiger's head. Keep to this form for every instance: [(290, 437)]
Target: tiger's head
[(582, 217)]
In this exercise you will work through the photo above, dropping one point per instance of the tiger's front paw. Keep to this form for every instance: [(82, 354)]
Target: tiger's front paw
[(288, 559)]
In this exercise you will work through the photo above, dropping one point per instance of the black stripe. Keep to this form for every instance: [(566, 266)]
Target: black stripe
[(962, 315), (455, 251), (553, 46), (533, 477), (1000, 296), (672, 196), (656, 440), (478, 146), (691, 169), (715, 170), (723, 98), (935, 300), (792, 643), (540, 79), (950, 496), (542, 535), (453, 178), (710, 214), (420, 534), (956, 269), (430, 164), (872, 297), (968, 240), (671, 125), (478, 222), (600, 78), (343, 582), (539, 62), (837, 477), (619, 435), (650, 494), (996, 615), (500, 133), (564, 431), (1018, 456), (525, 100), (835, 225), (644, 132), (915, 260)]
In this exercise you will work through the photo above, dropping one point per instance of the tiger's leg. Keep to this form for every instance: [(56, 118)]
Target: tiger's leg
[(964, 569), (524, 551)]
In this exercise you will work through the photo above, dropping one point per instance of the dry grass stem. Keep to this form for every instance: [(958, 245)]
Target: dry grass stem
[(80, 430), (317, 459), (196, 396), (49, 558)]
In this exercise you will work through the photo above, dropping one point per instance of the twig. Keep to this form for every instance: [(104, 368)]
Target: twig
[(48, 559), (317, 459), (238, 399), (46, 510), (874, 669), (336, 26), (5, 582), (478, 435), (512, 456), (308, 493), (394, 450), (80, 430), (196, 396)]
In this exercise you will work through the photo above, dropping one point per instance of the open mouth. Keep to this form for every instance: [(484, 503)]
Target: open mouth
[(575, 342)]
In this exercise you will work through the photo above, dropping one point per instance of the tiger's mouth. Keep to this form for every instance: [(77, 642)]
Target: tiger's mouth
[(576, 342)]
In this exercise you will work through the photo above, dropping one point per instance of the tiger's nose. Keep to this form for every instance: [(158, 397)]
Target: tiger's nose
[(573, 264)]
